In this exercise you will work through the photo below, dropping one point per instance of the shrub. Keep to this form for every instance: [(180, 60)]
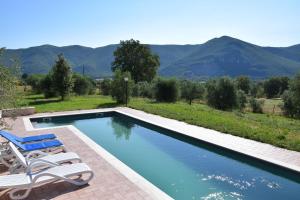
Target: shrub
[(82, 85), (191, 90), (256, 105), (291, 99), (105, 86), (167, 90), (243, 83), (221, 94), (275, 86), (34, 81), (241, 100), (143, 89), (47, 86), (118, 86)]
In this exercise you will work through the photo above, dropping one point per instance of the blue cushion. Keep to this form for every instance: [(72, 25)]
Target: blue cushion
[(41, 145), (11, 137), (37, 138)]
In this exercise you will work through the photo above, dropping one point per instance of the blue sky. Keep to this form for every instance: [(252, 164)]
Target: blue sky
[(25, 23)]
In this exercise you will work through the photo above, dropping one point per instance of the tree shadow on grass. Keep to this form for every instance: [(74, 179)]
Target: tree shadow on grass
[(44, 101), (109, 105)]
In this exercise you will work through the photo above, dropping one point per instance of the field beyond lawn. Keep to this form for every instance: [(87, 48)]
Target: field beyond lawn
[(273, 129)]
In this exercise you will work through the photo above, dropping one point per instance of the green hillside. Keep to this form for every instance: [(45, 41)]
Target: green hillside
[(217, 57)]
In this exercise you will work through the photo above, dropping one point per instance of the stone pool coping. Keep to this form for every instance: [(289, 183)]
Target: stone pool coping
[(285, 158)]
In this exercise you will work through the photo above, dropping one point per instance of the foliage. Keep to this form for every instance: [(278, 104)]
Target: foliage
[(34, 81), (62, 77), (260, 127), (243, 83), (119, 86), (136, 58), (82, 85), (275, 86), (241, 100), (47, 86), (143, 89), (221, 94), (291, 98), (257, 89), (256, 105), (105, 86), (8, 83), (167, 90), (191, 90)]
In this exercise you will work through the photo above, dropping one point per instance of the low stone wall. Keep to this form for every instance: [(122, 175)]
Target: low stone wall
[(18, 112)]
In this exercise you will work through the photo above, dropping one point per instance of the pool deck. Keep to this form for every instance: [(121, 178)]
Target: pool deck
[(114, 180)]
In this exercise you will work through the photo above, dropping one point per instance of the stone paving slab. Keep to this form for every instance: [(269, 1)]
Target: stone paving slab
[(108, 182)]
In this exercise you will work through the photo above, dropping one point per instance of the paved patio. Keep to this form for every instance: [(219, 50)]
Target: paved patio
[(109, 183)]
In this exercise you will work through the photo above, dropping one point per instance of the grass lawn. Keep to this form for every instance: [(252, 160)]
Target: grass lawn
[(272, 129), (267, 128), (74, 103)]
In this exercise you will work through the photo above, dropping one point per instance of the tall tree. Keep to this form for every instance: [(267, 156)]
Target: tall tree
[(136, 58), (8, 82), (62, 77)]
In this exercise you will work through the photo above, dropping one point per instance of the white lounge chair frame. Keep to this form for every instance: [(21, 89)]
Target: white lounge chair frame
[(37, 159), (29, 180)]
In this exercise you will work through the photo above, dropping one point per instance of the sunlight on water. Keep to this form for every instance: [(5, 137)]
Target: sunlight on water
[(184, 168)]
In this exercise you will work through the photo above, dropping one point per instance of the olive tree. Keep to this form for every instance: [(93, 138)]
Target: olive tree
[(136, 58), (8, 90)]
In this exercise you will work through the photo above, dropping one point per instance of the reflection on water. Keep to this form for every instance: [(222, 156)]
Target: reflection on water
[(183, 167), (122, 128)]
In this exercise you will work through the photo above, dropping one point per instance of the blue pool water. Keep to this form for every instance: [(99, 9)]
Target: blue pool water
[(183, 167)]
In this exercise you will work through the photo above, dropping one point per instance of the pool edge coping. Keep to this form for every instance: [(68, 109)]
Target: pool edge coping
[(137, 179), (122, 110)]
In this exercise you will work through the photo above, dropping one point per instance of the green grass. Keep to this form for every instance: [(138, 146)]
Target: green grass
[(74, 103), (267, 128), (272, 129)]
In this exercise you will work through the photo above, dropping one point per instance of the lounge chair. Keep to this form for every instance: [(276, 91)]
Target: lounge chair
[(34, 145), (26, 181), (38, 159), (48, 145), (34, 138)]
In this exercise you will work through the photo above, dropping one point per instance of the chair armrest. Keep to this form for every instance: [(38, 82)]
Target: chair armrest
[(38, 162), (36, 152)]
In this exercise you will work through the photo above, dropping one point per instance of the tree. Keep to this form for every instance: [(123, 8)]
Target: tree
[(275, 86), (243, 83), (191, 90), (82, 85), (221, 94), (105, 86), (291, 98), (46, 86), (136, 58), (256, 105), (62, 77), (119, 92), (8, 90), (241, 100), (34, 81), (143, 89), (167, 90)]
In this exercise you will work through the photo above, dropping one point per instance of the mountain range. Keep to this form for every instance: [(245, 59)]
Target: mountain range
[(217, 57)]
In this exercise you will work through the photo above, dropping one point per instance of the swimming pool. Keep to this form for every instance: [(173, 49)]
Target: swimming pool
[(183, 167)]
